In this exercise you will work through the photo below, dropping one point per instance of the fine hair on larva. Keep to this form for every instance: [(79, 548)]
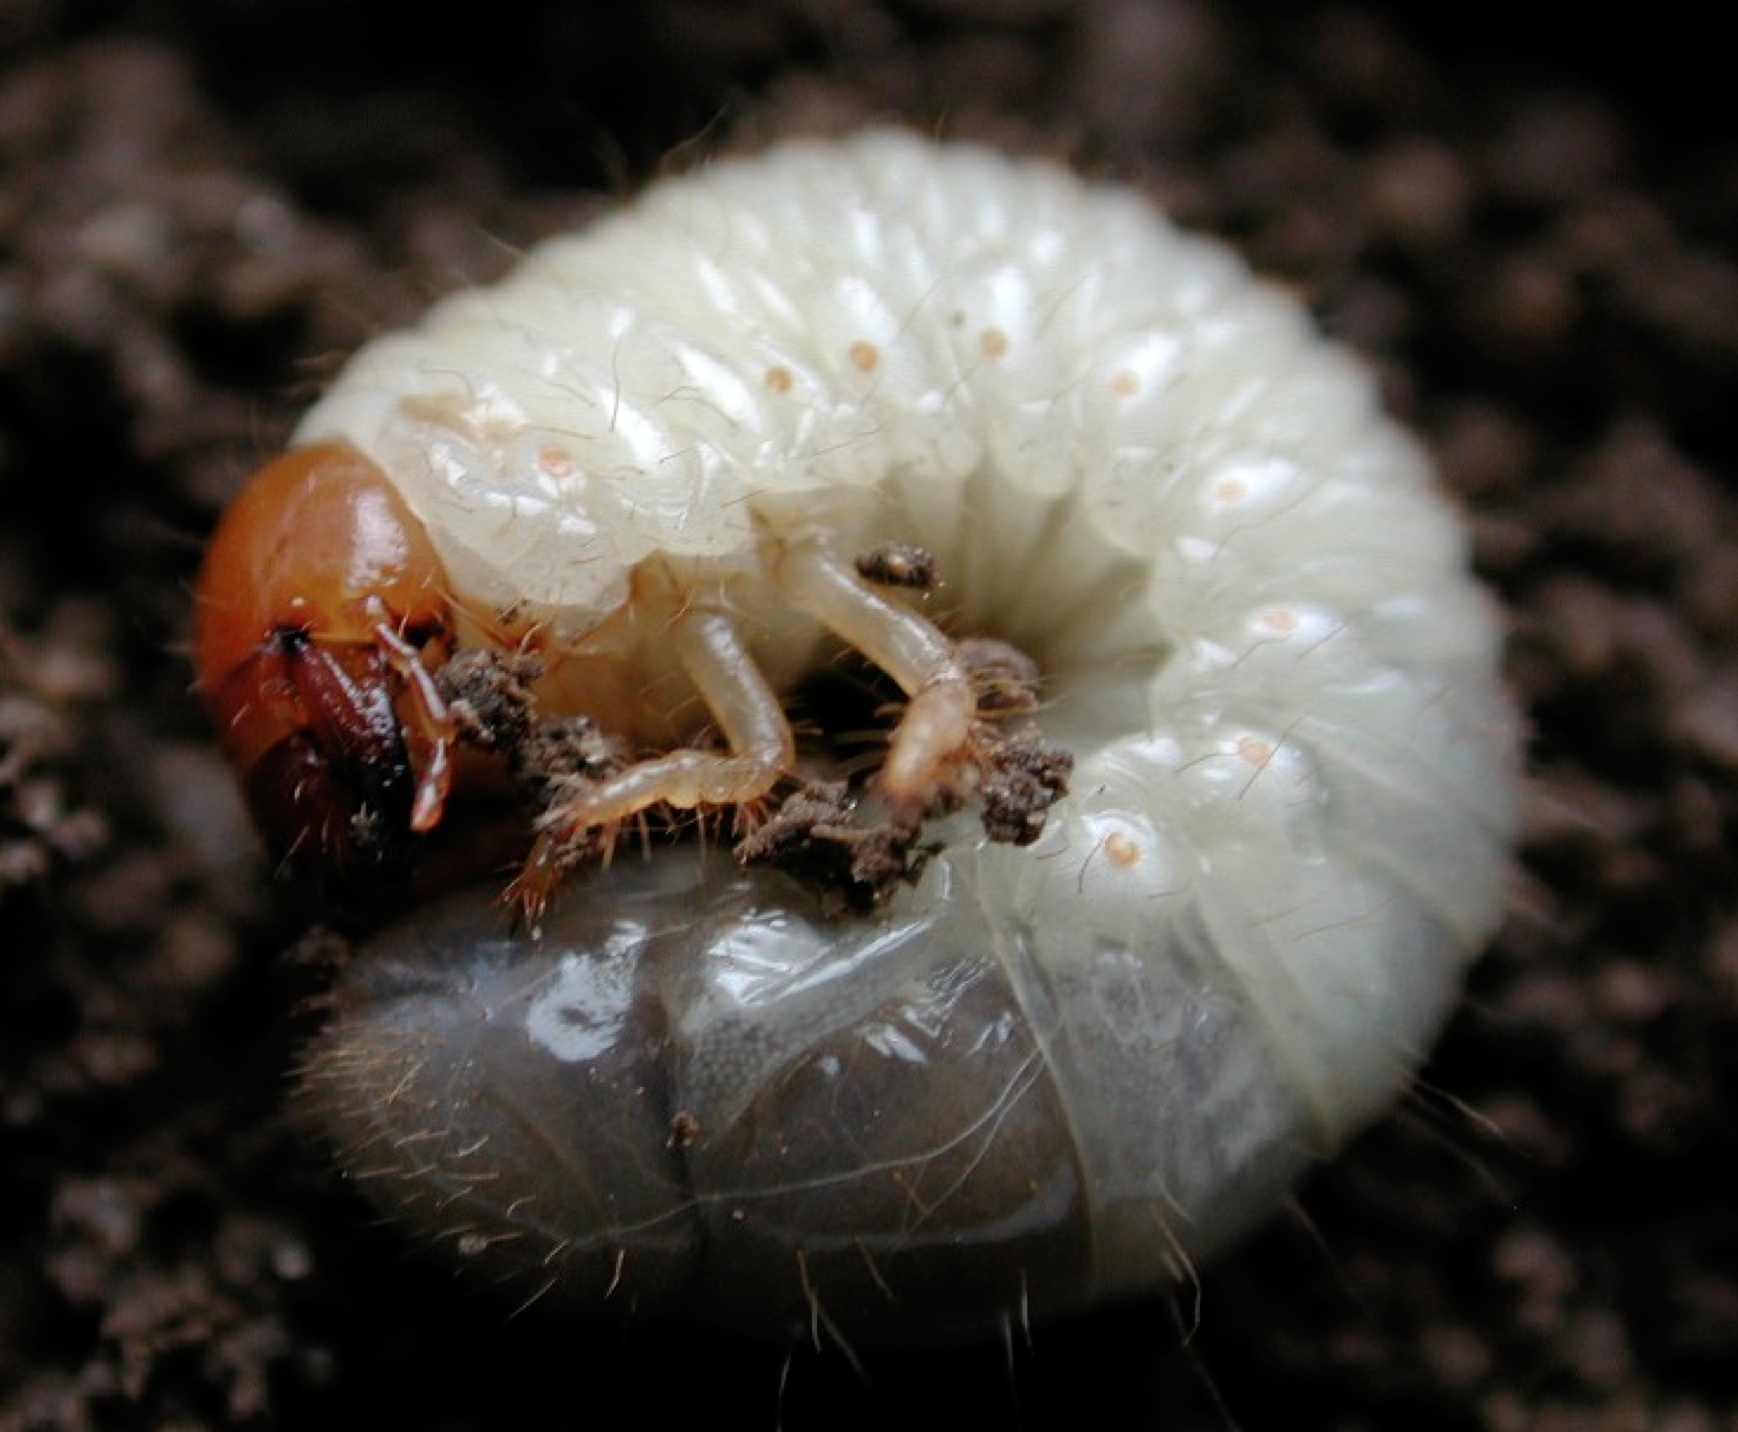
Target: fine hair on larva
[(1037, 1075)]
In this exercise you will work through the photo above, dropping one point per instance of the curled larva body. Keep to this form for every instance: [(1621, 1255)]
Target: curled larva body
[(1038, 1075)]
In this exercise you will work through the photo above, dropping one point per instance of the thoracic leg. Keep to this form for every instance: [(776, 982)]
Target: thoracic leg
[(933, 744), (748, 712)]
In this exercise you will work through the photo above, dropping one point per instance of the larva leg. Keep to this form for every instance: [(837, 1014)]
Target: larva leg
[(934, 742), (949, 747), (748, 712)]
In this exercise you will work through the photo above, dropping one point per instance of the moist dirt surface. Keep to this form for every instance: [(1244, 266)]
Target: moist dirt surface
[(1528, 224)]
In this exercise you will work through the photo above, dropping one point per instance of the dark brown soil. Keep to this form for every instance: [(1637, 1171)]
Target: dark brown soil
[(204, 205)]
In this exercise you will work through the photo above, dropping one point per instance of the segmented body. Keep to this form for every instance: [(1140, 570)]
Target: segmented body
[(1288, 824)]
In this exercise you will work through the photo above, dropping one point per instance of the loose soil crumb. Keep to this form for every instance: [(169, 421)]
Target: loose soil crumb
[(1022, 779), (489, 695), (818, 836), (899, 564)]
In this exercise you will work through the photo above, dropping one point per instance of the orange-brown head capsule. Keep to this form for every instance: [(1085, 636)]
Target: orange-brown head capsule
[(320, 602)]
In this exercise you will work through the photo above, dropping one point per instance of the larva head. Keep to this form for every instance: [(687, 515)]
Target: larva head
[(319, 596)]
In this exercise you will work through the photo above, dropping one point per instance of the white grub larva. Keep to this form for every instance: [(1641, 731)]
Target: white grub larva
[(1037, 1075)]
